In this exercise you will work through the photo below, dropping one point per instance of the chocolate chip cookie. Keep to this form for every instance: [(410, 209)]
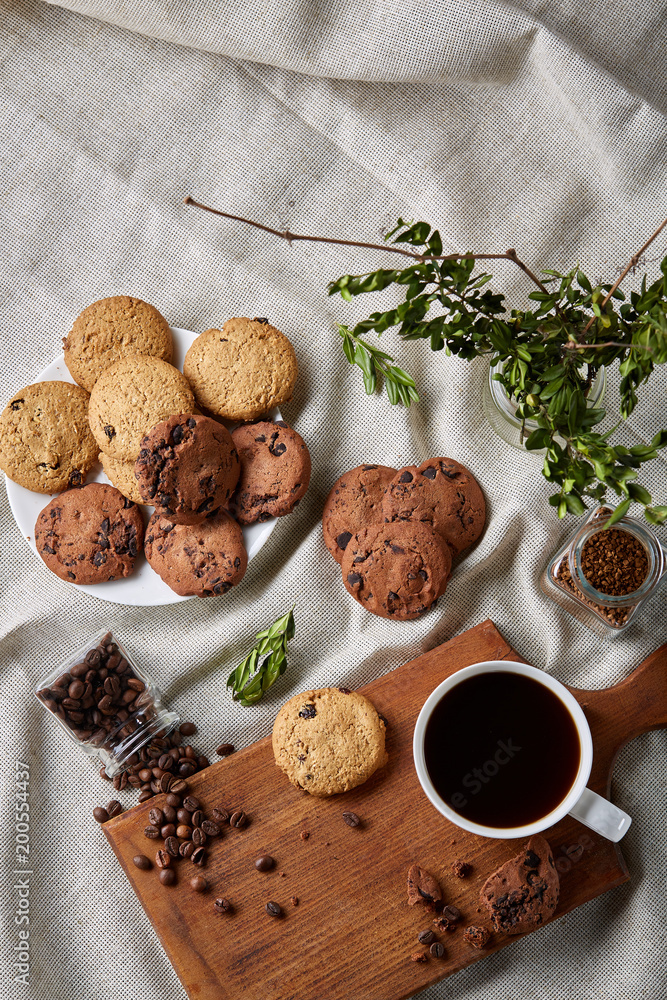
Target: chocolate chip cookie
[(187, 467), (354, 502), (200, 559), (328, 741), (243, 370), (132, 396), (396, 570), (523, 893), (45, 440), (275, 471), (441, 493), (111, 329), (90, 535)]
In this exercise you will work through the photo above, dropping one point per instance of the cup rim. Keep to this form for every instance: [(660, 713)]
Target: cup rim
[(579, 719)]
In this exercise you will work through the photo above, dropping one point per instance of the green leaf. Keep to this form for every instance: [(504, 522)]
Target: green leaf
[(537, 439), (620, 512), (249, 681)]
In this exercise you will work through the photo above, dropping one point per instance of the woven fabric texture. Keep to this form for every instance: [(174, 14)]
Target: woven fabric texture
[(523, 124)]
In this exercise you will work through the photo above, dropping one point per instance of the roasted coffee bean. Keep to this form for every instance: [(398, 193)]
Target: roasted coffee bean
[(142, 862), (166, 782), (426, 937), (172, 846), (199, 837), (274, 909), (156, 816), (187, 729), (103, 774), (225, 749), (203, 762), (168, 830), (178, 787), (169, 814), (190, 752), (114, 808), (265, 863), (238, 819), (145, 795), (437, 949), (197, 817), (120, 781), (220, 815), (186, 769), (134, 780), (183, 816), (199, 883), (451, 913), (184, 831), (155, 787), (210, 828), (145, 774), (173, 801), (351, 819), (152, 832), (198, 856), (100, 814), (166, 762), (167, 876), (574, 852), (222, 905), (186, 849), (191, 803), (163, 859)]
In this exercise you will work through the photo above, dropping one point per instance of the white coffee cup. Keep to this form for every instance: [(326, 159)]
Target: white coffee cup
[(587, 806)]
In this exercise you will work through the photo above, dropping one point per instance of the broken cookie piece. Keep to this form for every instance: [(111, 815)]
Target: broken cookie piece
[(423, 888), (478, 937), (523, 893)]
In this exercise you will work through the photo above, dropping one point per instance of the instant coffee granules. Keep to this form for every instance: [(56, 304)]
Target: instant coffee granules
[(614, 562)]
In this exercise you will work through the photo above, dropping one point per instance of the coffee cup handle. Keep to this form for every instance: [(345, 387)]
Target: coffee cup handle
[(600, 815)]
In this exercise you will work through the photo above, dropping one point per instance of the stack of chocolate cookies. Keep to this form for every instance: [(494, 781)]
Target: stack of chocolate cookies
[(395, 532)]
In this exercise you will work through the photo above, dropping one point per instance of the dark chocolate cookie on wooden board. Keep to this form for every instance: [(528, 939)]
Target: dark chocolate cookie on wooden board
[(355, 501), (275, 471), (396, 570), (442, 493), (523, 893), (187, 467), (91, 534), (202, 559)]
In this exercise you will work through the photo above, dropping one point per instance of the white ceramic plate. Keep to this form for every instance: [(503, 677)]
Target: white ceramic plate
[(143, 588)]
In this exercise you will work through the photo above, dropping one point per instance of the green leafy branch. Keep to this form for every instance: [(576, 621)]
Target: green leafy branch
[(400, 386), (251, 678)]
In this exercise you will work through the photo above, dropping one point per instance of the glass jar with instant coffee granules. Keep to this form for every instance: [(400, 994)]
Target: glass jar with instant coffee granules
[(603, 576), (105, 703)]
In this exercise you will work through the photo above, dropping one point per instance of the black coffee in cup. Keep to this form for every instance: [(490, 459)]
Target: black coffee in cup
[(501, 749)]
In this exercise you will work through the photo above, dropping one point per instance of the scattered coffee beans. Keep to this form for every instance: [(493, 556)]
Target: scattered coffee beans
[(100, 814), (265, 863), (114, 808), (163, 859), (167, 876), (142, 862), (222, 905), (210, 828), (351, 819), (451, 913), (437, 949), (220, 815), (199, 883), (225, 749), (238, 819), (426, 937), (187, 729), (152, 832), (274, 909), (198, 856)]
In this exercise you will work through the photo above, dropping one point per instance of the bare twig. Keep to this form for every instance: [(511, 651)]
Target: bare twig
[(294, 237), (570, 346), (634, 260)]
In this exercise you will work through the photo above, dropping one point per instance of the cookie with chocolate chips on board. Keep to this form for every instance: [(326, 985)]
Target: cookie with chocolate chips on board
[(396, 570), (45, 440), (329, 740), (441, 493), (354, 501), (275, 471), (202, 559), (523, 893), (90, 535), (187, 467)]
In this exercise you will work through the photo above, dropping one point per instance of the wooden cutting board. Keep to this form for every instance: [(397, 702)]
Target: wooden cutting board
[(352, 933)]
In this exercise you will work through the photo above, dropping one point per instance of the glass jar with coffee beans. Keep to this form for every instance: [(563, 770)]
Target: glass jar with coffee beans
[(603, 576), (106, 704)]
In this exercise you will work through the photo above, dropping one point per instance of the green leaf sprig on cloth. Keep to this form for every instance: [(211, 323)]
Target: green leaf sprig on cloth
[(251, 678), (549, 355)]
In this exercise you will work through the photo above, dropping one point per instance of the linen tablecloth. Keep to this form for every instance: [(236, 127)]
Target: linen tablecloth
[(531, 125)]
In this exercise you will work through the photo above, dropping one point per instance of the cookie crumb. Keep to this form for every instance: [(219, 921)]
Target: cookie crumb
[(419, 956), (461, 868), (294, 900), (304, 835), (478, 937)]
